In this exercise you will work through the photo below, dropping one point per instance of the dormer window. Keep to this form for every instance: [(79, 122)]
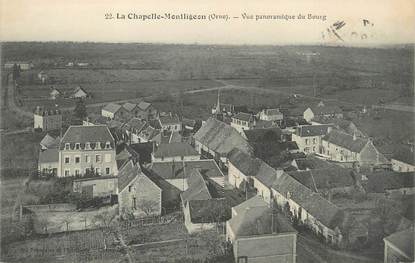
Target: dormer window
[(97, 145), (107, 145), (77, 146), (87, 146), (67, 146)]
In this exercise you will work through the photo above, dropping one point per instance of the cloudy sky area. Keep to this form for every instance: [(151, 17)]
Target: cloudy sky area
[(391, 21)]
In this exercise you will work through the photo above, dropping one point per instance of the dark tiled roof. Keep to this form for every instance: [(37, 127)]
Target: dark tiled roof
[(379, 182), (256, 219), (346, 140), (112, 107), (263, 135), (129, 106), (406, 155), (220, 137), (50, 142), (83, 134), (144, 151), (209, 211), (197, 188), (128, 172), (175, 149), (404, 241), (312, 162), (169, 170), (244, 162), (244, 116), (312, 130), (49, 156), (329, 178), (321, 209)]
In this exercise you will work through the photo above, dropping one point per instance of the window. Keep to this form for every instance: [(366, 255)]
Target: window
[(77, 159), (67, 172), (107, 158), (77, 146), (134, 203), (107, 145), (129, 188), (314, 140), (77, 173), (87, 146), (67, 159), (67, 146), (306, 141), (87, 158), (107, 170), (182, 158), (98, 158), (98, 171)]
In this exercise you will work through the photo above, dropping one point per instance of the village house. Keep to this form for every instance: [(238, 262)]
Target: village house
[(176, 151), (47, 119), (114, 111), (273, 115), (176, 173), (389, 183), (241, 168), (83, 148), (340, 124), (399, 246), (141, 110), (259, 234), (133, 129), (203, 209), (148, 134), (243, 121), (170, 123), (322, 110), (103, 186), (346, 148), (311, 162), (404, 160), (138, 194), (216, 139), (55, 93), (48, 161), (79, 93), (42, 76), (308, 137), (49, 142)]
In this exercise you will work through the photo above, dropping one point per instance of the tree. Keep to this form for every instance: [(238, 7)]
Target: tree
[(79, 113)]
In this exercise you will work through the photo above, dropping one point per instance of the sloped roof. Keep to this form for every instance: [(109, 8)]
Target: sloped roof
[(406, 155), (82, 134), (245, 163), (380, 181), (328, 178), (129, 106), (312, 162), (80, 89), (149, 133), (135, 124), (244, 116), (263, 135), (404, 241), (167, 120), (312, 130), (112, 107), (320, 208), (209, 210), (48, 141), (255, 201), (143, 105), (342, 124), (128, 172), (144, 151), (220, 137), (175, 149), (49, 155), (258, 219), (272, 112), (346, 140), (197, 188), (171, 170)]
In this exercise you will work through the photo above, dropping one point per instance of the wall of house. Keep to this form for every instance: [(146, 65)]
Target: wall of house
[(309, 144), (143, 190), (48, 167), (338, 153), (262, 190), (107, 160), (101, 187), (107, 114), (399, 166), (195, 227), (240, 126), (369, 155), (235, 177), (267, 248), (47, 122), (308, 115), (172, 127)]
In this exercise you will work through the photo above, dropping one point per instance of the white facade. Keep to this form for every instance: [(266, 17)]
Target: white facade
[(399, 166), (308, 144)]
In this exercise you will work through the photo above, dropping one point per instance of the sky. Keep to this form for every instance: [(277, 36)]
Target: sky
[(386, 21)]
